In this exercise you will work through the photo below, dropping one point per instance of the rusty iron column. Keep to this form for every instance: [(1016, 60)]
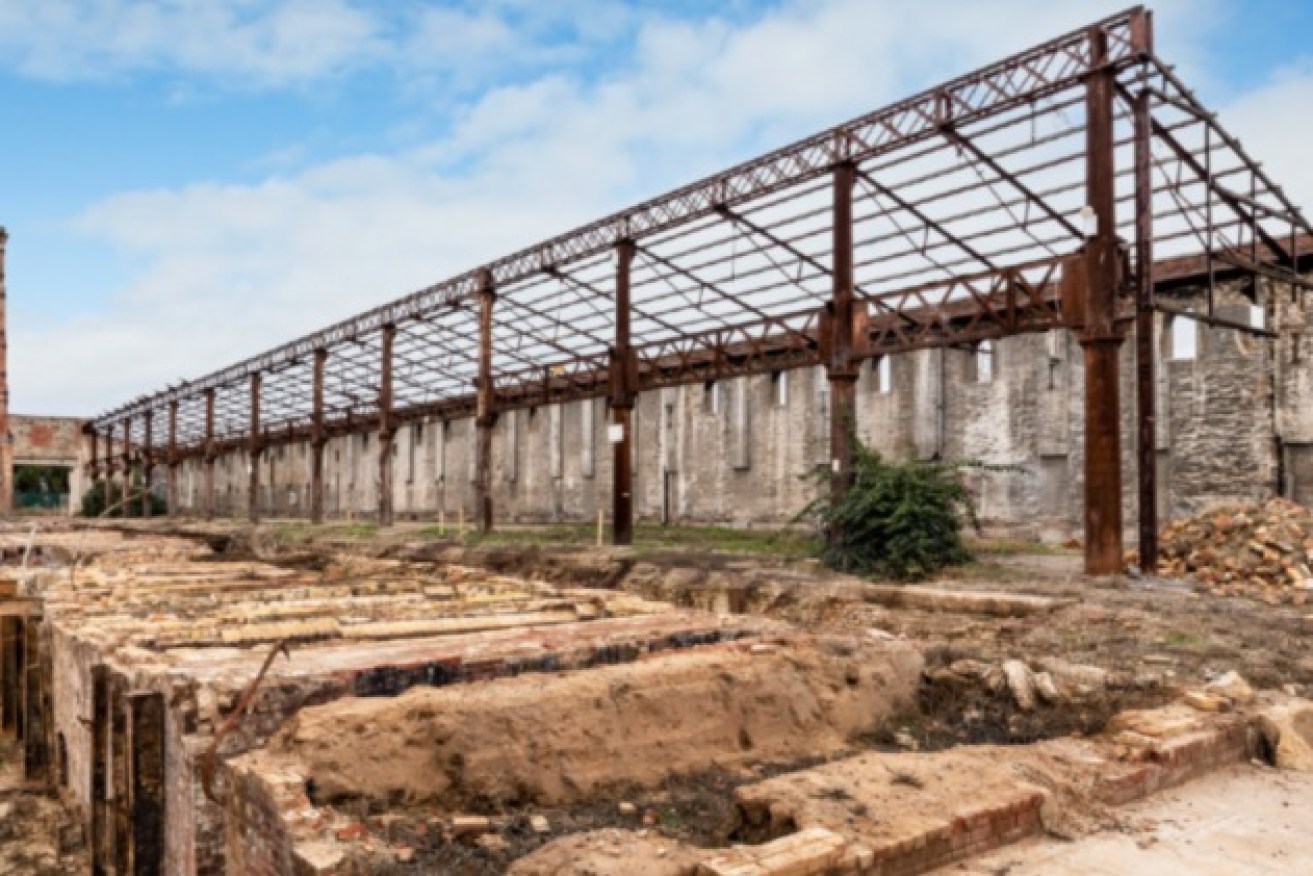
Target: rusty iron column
[(147, 465), (172, 458), (1101, 338), (487, 410), (841, 367), (623, 384), (93, 466), (6, 440), (387, 430), (127, 466), (254, 447), (209, 454), (109, 464), (1145, 378), (317, 441)]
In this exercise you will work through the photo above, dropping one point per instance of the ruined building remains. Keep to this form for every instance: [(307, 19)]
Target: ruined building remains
[(1061, 263)]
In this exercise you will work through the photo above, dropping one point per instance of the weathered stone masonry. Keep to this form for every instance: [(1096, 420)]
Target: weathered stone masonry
[(1235, 422)]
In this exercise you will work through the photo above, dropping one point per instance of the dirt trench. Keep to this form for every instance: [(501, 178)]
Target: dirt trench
[(552, 740)]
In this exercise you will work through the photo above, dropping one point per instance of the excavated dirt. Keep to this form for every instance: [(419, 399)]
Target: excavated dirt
[(610, 853), (554, 739)]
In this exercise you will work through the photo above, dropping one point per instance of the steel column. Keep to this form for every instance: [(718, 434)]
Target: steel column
[(209, 454), (127, 465), (1101, 338), (317, 440), (1145, 378), (147, 464), (841, 367), (109, 464), (486, 412), (387, 430), (255, 446), (173, 458), (623, 378), (93, 467)]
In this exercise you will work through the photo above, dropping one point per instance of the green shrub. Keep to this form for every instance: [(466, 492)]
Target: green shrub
[(898, 520), (102, 495)]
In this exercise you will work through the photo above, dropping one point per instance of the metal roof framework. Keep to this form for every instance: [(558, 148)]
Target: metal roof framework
[(965, 203)]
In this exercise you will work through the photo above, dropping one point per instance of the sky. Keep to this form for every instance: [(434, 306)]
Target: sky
[(189, 182)]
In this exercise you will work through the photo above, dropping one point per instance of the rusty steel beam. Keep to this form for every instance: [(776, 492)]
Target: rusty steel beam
[(926, 220), (841, 366), (486, 407), (623, 378), (254, 449), (318, 439), (1011, 179), (926, 316), (1014, 82), (1145, 377), (387, 429), (1235, 202), (1101, 337)]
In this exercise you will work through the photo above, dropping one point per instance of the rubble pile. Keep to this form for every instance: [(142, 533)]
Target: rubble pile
[(1262, 552)]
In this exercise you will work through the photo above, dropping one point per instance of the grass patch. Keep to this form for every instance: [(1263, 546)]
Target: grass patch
[(650, 539), (1015, 547), (1184, 641), (303, 533)]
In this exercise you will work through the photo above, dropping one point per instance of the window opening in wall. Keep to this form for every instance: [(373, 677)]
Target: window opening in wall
[(1184, 335), (1257, 316), (884, 375), (711, 398), (985, 362), (781, 380), (1055, 341)]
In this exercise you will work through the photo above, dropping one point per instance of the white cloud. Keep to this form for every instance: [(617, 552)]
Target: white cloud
[(264, 43), (1275, 129), (232, 269)]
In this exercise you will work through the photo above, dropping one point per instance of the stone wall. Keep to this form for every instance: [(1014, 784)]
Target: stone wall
[(739, 452)]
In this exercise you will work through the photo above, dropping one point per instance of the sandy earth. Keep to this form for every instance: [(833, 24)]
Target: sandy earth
[(552, 738), (1242, 821)]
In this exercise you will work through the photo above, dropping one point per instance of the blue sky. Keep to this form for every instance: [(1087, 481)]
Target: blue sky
[(186, 182)]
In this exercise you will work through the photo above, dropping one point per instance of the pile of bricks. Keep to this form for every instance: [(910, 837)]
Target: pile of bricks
[(1262, 552)]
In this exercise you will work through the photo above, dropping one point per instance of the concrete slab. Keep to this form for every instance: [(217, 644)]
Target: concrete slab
[(1240, 821)]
